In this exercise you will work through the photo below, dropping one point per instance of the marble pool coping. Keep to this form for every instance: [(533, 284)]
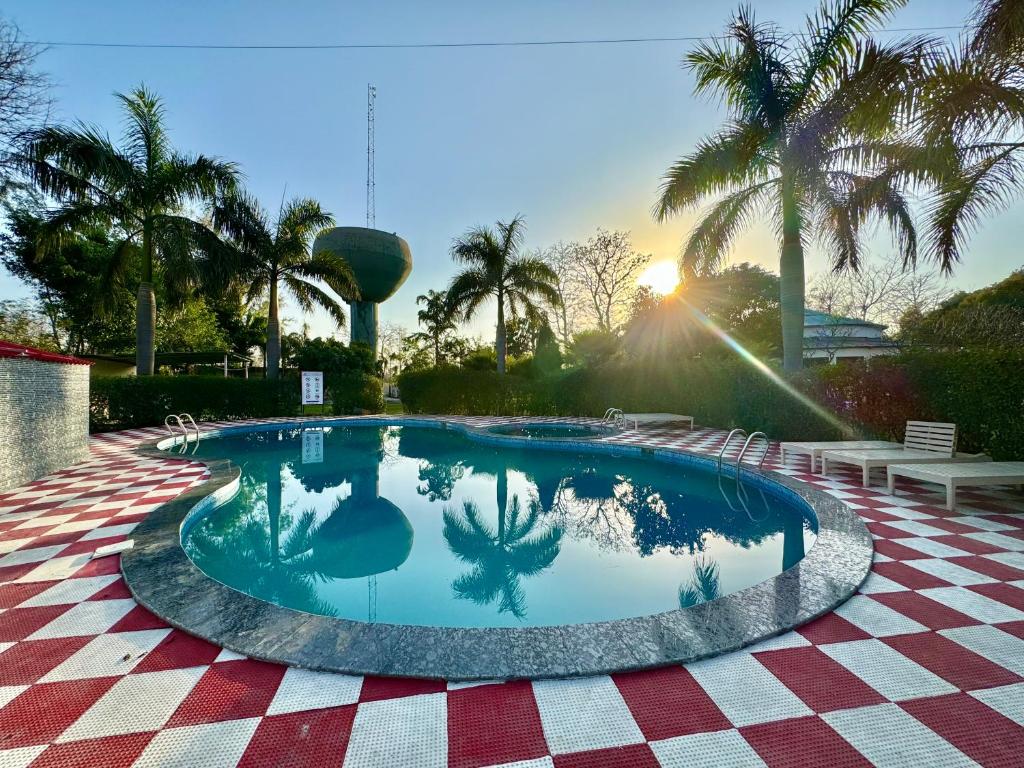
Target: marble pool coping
[(162, 578)]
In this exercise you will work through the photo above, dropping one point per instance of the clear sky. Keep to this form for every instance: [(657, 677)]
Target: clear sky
[(572, 137)]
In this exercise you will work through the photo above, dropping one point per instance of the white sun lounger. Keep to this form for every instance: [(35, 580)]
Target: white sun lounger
[(657, 419), (955, 475), (814, 449), (925, 442)]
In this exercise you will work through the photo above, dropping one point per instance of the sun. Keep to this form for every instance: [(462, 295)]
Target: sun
[(662, 277)]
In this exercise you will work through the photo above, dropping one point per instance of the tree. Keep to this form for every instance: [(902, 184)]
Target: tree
[(24, 94), (567, 313), (436, 320), (605, 267), (143, 188), (275, 254), (804, 113), (22, 322), (495, 269)]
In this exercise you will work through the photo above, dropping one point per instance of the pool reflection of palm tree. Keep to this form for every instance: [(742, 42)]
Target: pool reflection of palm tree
[(703, 586), (501, 557)]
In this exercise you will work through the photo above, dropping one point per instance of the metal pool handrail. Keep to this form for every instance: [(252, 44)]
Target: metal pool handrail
[(725, 445)]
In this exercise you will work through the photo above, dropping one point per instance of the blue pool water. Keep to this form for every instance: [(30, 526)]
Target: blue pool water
[(414, 525), (550, 430)]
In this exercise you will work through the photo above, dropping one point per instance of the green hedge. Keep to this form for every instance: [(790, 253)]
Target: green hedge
[(130, 401), (981, 391)]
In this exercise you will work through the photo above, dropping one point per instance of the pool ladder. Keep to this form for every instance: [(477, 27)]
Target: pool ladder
[(742, 495), (616, 417), (179, 420)]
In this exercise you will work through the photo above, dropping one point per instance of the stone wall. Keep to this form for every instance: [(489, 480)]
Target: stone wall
[(44, 418)]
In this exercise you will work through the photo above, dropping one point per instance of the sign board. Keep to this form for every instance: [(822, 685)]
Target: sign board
[(312, 388), (312, 446)]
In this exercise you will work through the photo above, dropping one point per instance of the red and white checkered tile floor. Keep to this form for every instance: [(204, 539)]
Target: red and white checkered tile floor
[(925, 667)]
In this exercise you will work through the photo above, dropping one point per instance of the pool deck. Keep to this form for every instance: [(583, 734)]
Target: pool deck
[(924, 666)]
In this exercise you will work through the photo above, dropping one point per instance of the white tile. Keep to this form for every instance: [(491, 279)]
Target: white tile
[(458, 685), (584, 713), (915, 527), (301, 689), (540, 762), (876, 584), (892, 738), (1007, 700), (89, 618), (760, 698), (930, 547), (886, 670), (10, 545), (973, 604), (951, 572), (998, 540), (109, 531), (35, 555), (9, 692), (983, 523), (1012, 559), (907, 513), (226, 655), (876, 619), (5, 646), (136, 703), (20, 757), (213, 745), (75, 525), (70, 591), (107, 655), (408, 731), (55, 569), (992, 643), (715, 749), (789, 639), (44, 521)]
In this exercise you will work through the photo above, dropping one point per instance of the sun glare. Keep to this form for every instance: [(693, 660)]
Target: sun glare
[(662, 277)]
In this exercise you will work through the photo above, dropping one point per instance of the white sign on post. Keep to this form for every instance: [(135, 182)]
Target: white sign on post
[(312, 388), (312, 446)]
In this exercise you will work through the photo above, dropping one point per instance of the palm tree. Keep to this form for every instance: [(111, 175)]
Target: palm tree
[(275, 253), (804, 114), (501, 557), (435, 318), (703, 586), (496, 269), (144, 188)]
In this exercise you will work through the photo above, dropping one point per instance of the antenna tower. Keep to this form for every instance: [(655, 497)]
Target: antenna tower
[(371, 213)]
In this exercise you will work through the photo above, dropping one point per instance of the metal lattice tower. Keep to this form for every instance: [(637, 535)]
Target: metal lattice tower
[(371, 213)]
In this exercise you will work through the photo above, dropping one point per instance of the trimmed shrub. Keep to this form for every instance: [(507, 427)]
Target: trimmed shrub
[(143, 401)]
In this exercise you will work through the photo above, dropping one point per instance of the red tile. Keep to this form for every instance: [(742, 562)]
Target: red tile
[(924, 610), (800, 742), (19, 623), (887, 531), (975, 729), (29, 660), (53, 539), (908, 576), (1015, 628), (951, 661), (476, 737), (1017, 521), (104, 566), (1007, 594), (668, 702), (110, 752), (973, 546), (43, 712), (988, 567), (118, 590), (822, 684), (12, 572), (230, 691), (138, 618), (310, 739), (178, 651), (91, 545), (633, 756), (377, 688), (897, 551), (951, 525), (15, 594), (831, 628)]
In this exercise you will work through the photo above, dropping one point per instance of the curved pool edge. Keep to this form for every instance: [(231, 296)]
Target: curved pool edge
[(161, 577)]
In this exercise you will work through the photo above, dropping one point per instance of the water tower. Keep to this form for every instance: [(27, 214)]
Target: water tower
[(380, 260)]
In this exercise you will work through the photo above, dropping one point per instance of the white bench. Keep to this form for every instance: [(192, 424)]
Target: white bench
[(952, 476), (657, 420), (814, 450)]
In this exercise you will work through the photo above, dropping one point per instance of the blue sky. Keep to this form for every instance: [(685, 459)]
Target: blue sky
[(572, 137)]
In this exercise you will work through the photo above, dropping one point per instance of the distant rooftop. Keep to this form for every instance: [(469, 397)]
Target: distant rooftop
[(813, 318)]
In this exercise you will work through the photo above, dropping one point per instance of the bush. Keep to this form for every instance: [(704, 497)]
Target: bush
[(143, 401)]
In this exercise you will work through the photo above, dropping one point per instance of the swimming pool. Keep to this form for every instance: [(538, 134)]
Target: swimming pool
[(419, 526), (551, 430)]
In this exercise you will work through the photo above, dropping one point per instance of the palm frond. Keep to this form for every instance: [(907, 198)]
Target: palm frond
[(467, 291), (145, 139), (332, 270), (308, 296), (998, 28), (709, 241)]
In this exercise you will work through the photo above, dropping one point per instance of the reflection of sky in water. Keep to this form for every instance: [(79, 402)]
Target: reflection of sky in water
[(594, 538)]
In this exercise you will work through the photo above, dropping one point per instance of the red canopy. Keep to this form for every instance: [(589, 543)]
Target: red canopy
[(10, 349)]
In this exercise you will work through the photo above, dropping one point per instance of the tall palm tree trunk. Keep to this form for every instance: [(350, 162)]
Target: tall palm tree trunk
[(145, 310), (791, 283), (437, 349), (499, 336), (273, 333)]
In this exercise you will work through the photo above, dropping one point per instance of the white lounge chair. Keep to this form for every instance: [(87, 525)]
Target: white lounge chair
[(814, 449), (925, 442), (657, 420), (952, 476)]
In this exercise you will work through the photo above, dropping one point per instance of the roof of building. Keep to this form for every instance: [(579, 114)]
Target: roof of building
[(179, 358), (10, 349), (813, 317), (847, 342)]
